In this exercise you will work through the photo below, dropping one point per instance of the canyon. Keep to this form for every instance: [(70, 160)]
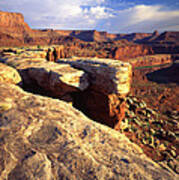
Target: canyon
[(71, 102), (100, 88), (87, 43)]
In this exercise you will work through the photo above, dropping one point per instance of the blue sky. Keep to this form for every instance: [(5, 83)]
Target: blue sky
[(115, 16)]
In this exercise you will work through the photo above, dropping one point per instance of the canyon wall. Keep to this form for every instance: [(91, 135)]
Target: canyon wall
[(89, 43), (132, 51), (98, 87), (13, 24), (151, 60)]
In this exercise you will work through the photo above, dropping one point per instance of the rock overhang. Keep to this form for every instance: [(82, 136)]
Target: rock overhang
[(96, 86), (47, 133), (112, 77)]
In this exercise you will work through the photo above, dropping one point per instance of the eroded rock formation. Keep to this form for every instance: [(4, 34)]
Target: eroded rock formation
[(13, 29), (96, 86), (15, 32), (151, 60), (9, 74), (43, 138), (57, 80), (54, 53), (126, 52), (110, 81)]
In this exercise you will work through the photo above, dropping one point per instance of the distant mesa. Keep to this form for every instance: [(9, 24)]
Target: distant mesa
[(15, 32)]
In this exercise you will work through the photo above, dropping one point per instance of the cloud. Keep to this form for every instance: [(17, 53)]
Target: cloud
[(156, 13), (144, 18), (61, 14), (94, 14)]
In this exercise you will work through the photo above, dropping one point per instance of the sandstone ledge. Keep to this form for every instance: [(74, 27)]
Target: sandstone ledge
[(112, 77), (96, 86), (9, 74), (43, 138), (57, 79), (151, 60)]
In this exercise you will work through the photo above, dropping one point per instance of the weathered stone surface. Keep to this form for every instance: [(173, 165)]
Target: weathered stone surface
[(42, 138), (104, 100), (53, 54), (151, 60), (107, 75), (57, 79), (126, 52), (9, 74), (100, 85)]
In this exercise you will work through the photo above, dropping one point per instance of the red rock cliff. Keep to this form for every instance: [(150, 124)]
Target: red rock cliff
[(126, 52), (13, 23)]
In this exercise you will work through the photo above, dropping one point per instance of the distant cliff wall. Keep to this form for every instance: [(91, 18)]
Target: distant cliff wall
[(13, 23), (127, 52)]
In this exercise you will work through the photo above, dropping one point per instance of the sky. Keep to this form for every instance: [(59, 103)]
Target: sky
[(114, 16)]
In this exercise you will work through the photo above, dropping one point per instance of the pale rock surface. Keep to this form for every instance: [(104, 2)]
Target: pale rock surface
[(111, 77), (43, 138), (58, 79), (110, 82), (9, 74)]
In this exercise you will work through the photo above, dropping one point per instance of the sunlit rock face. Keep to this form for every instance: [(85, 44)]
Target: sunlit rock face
[(104, 100), (127, 52), (98, 87), (54, 53), (151, 60), (107, 75), (9, 74), (44, 138), (57, 79), (13, 29)]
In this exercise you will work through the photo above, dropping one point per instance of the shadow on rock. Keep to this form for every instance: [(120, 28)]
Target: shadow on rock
[(165, 75)]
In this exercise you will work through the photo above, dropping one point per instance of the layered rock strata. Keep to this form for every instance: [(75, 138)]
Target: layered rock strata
[(43, 138), (96, 86), (151, 60), (51, 53), (126, 52), (110, 82), (58, 80)]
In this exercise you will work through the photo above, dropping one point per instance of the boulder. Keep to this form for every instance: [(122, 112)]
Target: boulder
[(9, 74), (104, 99), (44, 138), (57, 79), (106, 75)]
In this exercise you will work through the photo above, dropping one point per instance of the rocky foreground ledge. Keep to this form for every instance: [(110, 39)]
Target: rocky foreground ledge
[(44, 138), (97, 87)]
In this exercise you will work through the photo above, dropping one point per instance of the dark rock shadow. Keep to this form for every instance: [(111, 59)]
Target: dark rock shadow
[(165, 75)]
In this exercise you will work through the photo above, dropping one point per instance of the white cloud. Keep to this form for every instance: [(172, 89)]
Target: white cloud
[(142, 18), (60, 13), (93, 14), (99, 12), (155, 13)]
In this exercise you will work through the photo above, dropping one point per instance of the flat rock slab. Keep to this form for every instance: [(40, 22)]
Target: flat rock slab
[(59, 79), (108, 75), (9, 74), (44, 138), (151, 60)]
